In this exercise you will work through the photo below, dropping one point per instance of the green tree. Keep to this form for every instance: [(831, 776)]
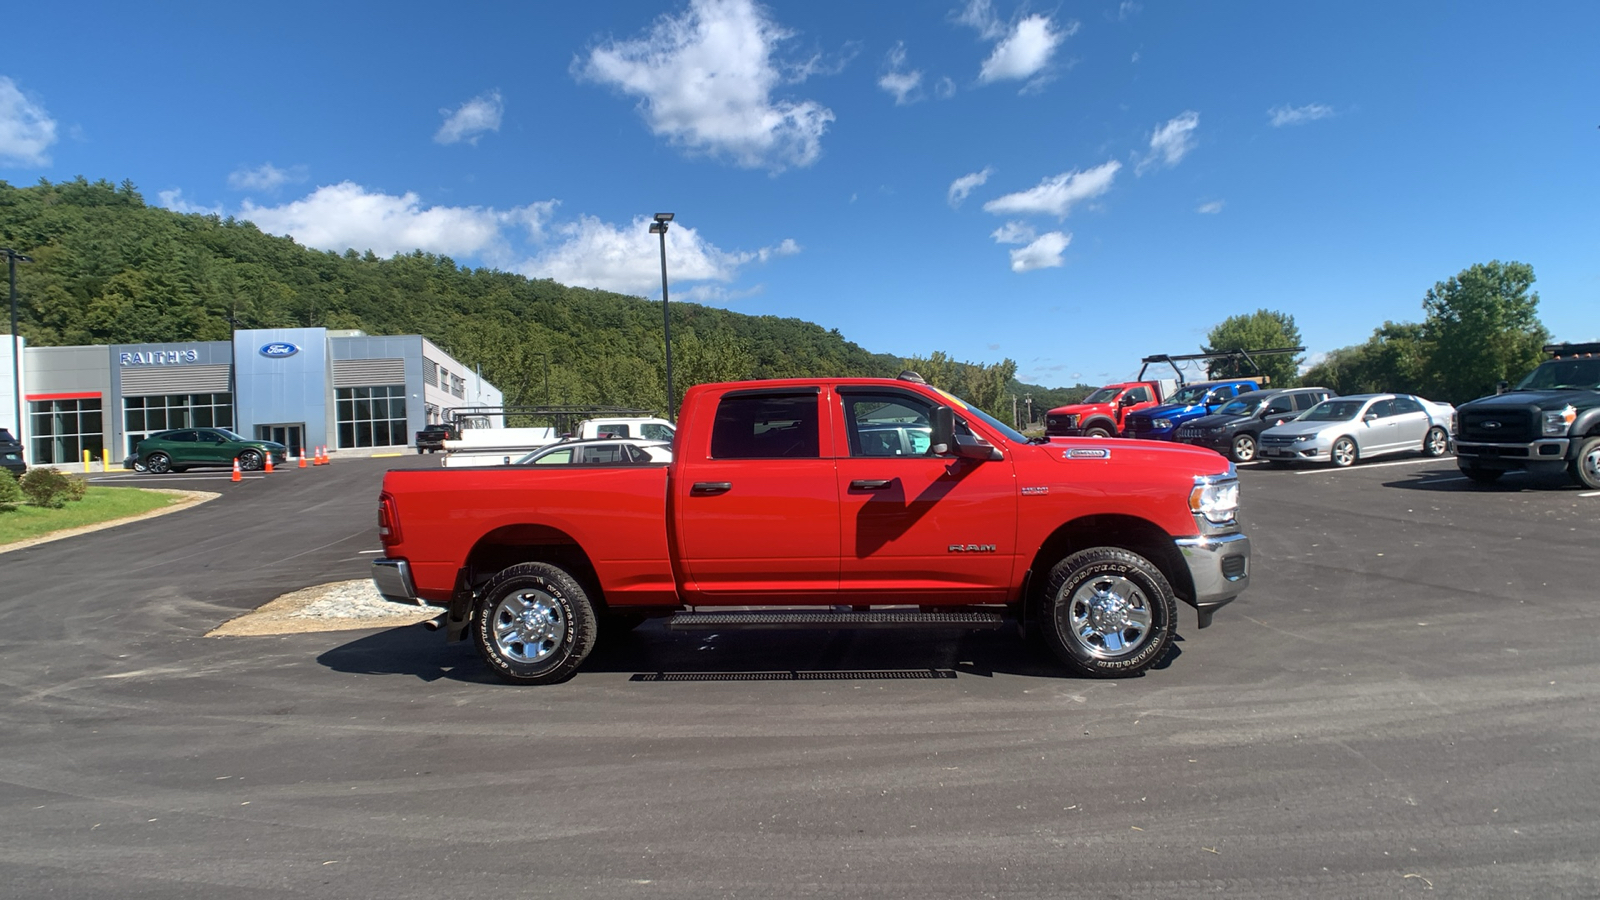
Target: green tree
[(1261, 330), (1391, 360), (1483, 326)]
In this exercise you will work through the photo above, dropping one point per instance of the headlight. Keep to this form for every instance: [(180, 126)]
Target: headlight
[(1556, 423), (1162, 423), (1215, 429), (1070, 421), (1216, 497), (1302, 438)]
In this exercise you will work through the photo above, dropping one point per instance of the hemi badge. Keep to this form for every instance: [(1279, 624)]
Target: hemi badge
[(1087, 453), (1035, 491)]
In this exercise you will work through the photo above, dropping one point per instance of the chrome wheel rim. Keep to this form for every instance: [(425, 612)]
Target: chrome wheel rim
[(1437, 442), (249, 460), (1591, 464), (1344, 452), (1109, 616), (1244, 448), (529, 626)]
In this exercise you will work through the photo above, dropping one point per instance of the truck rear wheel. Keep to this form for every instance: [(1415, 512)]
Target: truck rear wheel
[(1107, 613), (533, 624)]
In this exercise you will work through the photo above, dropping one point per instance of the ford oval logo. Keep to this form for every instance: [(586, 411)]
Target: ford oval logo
[(1491, 424), (279, 349)]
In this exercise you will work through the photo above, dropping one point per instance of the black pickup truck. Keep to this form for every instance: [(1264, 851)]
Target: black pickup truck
[(433, 437), (1549, 422)]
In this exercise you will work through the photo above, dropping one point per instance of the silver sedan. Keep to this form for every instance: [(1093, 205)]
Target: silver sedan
[(1342, 430)]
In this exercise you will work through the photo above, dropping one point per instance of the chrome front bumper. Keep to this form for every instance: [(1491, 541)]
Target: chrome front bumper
[(1219, 568), (393, 579)]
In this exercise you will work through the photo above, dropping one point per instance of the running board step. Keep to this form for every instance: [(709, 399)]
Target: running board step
[(825, 618)]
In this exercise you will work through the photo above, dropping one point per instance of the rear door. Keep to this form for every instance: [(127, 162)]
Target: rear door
[(758, 515), (917, 528), (1411, 423)]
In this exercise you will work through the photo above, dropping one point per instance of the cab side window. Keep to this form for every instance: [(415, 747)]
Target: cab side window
[(766, 426), (184, 437), (1138, 395), (1383, 409), (888, 424), (653, 432)]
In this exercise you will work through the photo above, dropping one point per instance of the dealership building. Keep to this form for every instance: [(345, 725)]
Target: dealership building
[(304, 387)]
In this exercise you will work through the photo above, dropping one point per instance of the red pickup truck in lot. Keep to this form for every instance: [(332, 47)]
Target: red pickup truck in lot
[(830, 503)]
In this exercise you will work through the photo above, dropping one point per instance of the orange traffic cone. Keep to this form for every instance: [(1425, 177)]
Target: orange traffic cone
[(237, 476), (302, 457), (326, 460), (269, 463)]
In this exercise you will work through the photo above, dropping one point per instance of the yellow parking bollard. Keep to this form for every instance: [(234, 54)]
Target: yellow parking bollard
[(87, 456)]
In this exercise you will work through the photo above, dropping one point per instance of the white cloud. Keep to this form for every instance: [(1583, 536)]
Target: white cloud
[(1014, 233), (1127, 9), (706, 79), (945, 88), (471, 120), (1170, 142), (1298, 115), (980, 16), (265, 177), (174, 201), (592, 253), (347, 216), (1025, 51), (1210, 209), (961, 187), (905, 86), (1056, 196), (26, 129), (1043, 253)]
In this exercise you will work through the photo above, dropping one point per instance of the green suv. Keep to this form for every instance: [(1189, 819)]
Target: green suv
[(187, 448)]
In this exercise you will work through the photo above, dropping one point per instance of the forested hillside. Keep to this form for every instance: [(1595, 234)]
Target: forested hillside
[(110, 269)]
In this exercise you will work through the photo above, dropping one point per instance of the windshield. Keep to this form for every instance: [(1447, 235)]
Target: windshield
[(964, 408), (1190, 395), (1103, 395), (1556, 374), (1334, 411), (1244, 406)]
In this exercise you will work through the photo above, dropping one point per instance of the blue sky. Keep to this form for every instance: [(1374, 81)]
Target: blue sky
[(1072, 186)]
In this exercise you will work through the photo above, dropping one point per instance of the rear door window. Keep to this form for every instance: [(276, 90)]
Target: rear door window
[(766, 426)]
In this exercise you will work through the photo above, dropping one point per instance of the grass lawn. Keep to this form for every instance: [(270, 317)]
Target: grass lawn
[(101, 504)]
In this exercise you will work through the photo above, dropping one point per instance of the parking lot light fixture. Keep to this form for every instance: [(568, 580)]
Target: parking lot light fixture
[(659, 226)]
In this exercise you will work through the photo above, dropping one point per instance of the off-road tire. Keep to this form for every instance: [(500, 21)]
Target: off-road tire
[(1586, 468), (1097, 576), (1436, 442), (1244, 448), (528, 598)]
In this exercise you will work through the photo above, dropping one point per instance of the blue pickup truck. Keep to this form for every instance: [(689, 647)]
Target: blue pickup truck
[(1160, 423)]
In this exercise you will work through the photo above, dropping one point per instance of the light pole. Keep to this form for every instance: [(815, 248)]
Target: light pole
[(659, 226), (12, 258)]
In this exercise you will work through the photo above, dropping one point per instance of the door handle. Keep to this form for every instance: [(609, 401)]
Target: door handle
[(710, 488), (867, 484)]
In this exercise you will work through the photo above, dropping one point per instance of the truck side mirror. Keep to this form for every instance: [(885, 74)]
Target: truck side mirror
[(943, 432), (1502, 386)]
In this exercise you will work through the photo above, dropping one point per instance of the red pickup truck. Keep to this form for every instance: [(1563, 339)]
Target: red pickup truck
[(1104, 412), (829, 503)]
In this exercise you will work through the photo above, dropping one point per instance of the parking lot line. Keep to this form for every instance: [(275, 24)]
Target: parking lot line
[(1359, 466), (1590, 494)]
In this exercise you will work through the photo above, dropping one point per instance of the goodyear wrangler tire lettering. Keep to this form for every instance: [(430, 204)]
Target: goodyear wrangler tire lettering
[(1107, 612), (533, 624)]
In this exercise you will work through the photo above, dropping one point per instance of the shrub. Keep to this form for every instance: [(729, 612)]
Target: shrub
[(52, 489), (11, 495)]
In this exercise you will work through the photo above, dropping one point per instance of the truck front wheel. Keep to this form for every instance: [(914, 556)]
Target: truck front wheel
[(1586, 468), (533, 624), (1107, 612), (1097, 430)]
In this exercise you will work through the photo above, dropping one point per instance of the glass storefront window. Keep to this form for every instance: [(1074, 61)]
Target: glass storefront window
[(372, 416), (64, 429), (144, 416)]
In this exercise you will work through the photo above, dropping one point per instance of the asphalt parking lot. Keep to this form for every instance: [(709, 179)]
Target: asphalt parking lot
[(1406, 703)]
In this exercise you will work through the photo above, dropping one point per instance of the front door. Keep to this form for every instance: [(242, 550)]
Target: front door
[(917, 528), (760, 515), (287, 435)]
